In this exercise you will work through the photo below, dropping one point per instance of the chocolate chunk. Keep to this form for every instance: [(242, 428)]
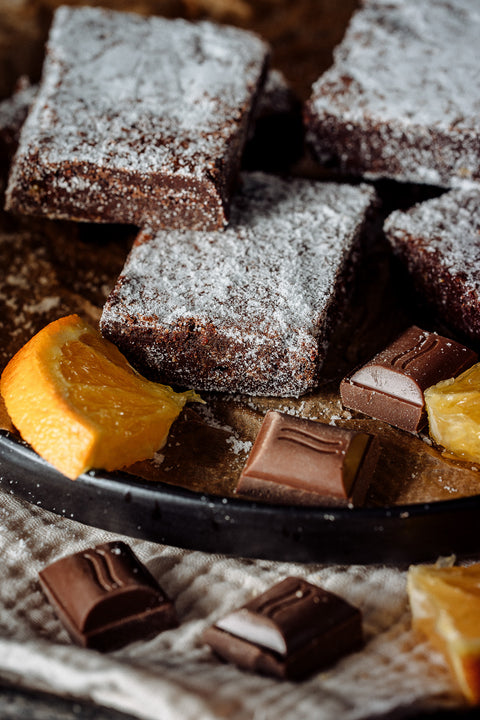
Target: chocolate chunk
[(390, 387), (289, 631), (138, 120), (106, 598), (295, 460)]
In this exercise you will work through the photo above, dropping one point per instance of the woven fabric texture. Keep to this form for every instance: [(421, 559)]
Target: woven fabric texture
[(176, 677)]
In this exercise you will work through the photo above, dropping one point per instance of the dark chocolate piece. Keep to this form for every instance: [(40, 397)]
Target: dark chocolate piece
[(250, 309), (401, 99), (290, 631), (138, 120), (106, 598), (390, 387), (439, 243), (295, 460)]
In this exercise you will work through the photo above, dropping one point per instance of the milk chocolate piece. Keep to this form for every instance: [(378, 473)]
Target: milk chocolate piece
[(390, 387), (291, 630), (295, 460), (106, 598)]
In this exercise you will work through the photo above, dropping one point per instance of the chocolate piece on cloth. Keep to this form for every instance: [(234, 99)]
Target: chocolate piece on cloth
[(305, 462), (250, 309), (138, 120), (106, 597), (290, 631), (390, 387)]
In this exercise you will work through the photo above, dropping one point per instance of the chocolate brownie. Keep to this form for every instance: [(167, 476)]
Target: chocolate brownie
[(248, 309), (13, 112), (402, 98), (138, 120), (439, 243)]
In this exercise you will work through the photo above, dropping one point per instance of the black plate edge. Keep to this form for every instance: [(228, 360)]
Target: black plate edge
[(121, 503)]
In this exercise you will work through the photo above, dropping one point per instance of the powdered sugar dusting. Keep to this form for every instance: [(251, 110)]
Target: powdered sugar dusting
[(268, 281), (112, 79), (408, 71), (164, 101), (449, 227)]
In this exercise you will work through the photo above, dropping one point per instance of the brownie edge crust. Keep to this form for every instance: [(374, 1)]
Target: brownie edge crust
[(249, 309), (137, 120)]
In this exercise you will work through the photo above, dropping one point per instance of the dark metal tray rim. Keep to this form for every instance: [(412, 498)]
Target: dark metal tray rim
[(126, 504)]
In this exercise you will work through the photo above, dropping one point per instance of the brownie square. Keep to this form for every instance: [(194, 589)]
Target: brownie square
[(248, 309), (137, 120), (401, 99), (439, 243)]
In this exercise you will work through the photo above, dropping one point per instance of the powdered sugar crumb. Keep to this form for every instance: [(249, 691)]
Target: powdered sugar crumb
[(158, 458), (43, 306), (239, 446)]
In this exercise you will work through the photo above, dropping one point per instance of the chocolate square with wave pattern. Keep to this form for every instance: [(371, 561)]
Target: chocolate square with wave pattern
[(305, 462), (290, 631), (106, 597)]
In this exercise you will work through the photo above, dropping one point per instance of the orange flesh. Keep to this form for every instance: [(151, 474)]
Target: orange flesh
[(75, 398)]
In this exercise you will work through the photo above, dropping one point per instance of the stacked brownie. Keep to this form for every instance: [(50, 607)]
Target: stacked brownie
[(143, 121), (439, 243), (137, 120), (235, 280), (402, 101)]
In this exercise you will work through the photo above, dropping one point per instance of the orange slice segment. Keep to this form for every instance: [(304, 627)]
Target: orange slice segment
[(74, 397), (453, 408), (445, 603)]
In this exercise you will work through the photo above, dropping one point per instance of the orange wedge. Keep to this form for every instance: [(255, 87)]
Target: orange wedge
[(453, 408), (445, 603), (74, 397)]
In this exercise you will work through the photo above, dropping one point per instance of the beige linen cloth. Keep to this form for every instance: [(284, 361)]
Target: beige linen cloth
[(176, 677)]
